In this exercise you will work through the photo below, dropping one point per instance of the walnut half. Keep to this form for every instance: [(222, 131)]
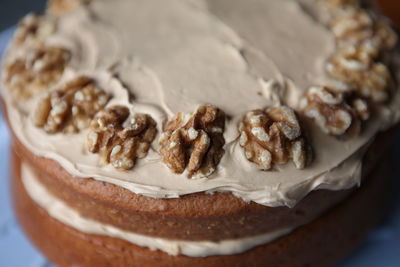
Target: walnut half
[(71, 108), (273, 136), (33, 30), (332, 113), (355, 66), (355, 26), (120, 140), (194, 142), (38, 71)]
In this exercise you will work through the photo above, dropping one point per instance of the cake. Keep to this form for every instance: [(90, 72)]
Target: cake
[(200, 132)]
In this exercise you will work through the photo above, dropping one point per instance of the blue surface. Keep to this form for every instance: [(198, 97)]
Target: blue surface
[(380, 249)]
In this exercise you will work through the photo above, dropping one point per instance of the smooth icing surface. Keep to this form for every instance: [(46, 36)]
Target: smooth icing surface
[(174, 55), (63, 213)]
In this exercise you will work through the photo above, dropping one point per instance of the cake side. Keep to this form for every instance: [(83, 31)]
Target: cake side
[(319, 243)]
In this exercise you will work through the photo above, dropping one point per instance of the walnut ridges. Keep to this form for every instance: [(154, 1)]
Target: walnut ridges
[(331, 112), (39, 70), (273, 136), (194, 142), (355, 67), (33, 30), (70, 108), (355, 26), (121, 140)]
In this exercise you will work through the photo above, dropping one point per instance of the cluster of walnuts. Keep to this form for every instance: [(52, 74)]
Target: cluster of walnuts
[(77, 105), (194, 143), (190, 142), (360, 78), (40, 66)]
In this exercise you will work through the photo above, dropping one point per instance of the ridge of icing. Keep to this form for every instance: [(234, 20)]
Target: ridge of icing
[(183, 53)]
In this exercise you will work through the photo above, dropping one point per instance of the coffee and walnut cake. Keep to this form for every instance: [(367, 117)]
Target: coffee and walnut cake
[(200, 132)]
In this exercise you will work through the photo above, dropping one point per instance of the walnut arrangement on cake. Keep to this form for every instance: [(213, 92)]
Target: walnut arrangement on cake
[(200, 132)]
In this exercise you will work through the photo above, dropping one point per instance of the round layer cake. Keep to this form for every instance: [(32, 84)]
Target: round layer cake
[(206, 132)]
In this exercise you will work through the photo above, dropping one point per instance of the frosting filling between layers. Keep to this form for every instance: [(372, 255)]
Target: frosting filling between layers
[(63, 213), (174, 55)]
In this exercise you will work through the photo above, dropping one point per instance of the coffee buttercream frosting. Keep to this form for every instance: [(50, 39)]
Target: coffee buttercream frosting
[(164, 57)]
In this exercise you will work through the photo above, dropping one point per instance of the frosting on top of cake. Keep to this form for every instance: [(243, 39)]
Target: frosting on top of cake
[(163, 57)]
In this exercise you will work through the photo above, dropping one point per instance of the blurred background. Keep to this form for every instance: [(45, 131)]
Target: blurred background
[(12, 10)]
